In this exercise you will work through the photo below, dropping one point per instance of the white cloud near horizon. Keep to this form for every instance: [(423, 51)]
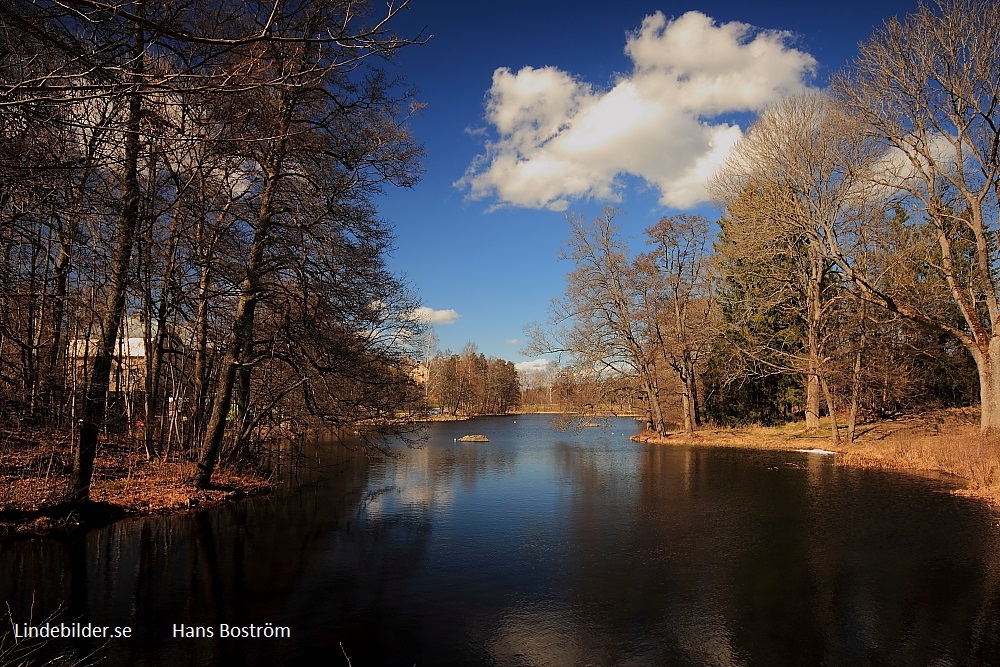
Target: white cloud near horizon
[(559, 139), (533, 366), (432, 316)]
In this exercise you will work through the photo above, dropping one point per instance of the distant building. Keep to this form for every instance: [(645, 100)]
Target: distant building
[(420, 373), (129, 370)]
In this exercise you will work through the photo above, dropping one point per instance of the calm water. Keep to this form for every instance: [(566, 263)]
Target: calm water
[(542, 548)]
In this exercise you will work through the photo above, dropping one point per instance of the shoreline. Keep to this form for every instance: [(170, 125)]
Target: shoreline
[(34, 477), (33, 470), (944, 443)]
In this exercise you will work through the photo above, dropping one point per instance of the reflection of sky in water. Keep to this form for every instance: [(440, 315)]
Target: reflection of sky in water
[(580, 547), (551, 548), (517, 490)]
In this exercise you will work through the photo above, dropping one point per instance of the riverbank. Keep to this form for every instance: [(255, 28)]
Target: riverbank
[(34, 473), (944, 442), (34, 468)]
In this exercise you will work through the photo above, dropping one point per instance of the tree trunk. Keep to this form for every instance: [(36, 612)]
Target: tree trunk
[(156, 341), (852, 419), (834, 426), (989, 389), (686, 408), (201, 341), (231, 361), (56, 379), (814, 315), (813, 391), (684, 374), (238, 350), (655, 409), (239, 345), (96, 397), (693, 390)]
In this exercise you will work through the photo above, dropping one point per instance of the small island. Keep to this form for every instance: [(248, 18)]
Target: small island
[(473, 438)]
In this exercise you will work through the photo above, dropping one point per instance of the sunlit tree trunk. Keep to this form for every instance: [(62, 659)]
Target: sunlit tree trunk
[(832, 408)]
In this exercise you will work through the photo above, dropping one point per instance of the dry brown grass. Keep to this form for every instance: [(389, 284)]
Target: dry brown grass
[(945, 441), (954, 448)]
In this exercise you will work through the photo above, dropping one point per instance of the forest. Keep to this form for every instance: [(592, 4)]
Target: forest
[(190, 254), (470, 384), (853, 273)]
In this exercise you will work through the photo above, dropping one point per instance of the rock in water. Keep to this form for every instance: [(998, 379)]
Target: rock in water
[(473, 438)]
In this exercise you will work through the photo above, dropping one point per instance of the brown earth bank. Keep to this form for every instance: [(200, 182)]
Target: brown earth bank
[(944, 442), (34, 471)]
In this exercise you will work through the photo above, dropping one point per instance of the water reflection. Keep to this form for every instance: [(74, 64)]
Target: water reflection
[(547, 548)]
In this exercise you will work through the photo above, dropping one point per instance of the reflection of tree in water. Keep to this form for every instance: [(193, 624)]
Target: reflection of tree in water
[(640, 579), (911, 591), (637, 555), (709, 557), (291, 560), (426, 476)]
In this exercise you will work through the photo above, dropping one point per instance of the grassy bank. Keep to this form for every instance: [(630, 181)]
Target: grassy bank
[(945, 441), (34, 473)]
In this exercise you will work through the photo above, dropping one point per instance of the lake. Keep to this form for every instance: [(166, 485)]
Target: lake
[(541, 547)]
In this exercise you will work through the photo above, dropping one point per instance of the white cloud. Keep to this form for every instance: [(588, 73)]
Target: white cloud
[(431, 316), (513, 341), (533, 366), (559, 139), (901, 164)]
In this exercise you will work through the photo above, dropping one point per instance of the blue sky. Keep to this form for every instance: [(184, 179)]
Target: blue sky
[(595, 103)]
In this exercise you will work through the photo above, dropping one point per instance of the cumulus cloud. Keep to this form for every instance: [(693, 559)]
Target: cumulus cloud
[(558, 138), (431, 316)]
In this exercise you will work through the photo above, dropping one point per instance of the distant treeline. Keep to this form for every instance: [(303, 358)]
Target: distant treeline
[(471, 384)]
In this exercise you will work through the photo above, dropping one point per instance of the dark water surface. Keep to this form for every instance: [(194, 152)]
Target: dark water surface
[(542, 548)]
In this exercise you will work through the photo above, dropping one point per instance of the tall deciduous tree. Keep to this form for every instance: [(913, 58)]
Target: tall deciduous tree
[(791, 184), (679, 301), (332, 138), (926, 91), (603, 319), (301, 134)]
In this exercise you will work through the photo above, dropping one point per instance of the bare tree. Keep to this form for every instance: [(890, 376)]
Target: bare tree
[(679, 300), (332, 139), (128, 74), (791, 184), (925, 90), (601, 321)]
